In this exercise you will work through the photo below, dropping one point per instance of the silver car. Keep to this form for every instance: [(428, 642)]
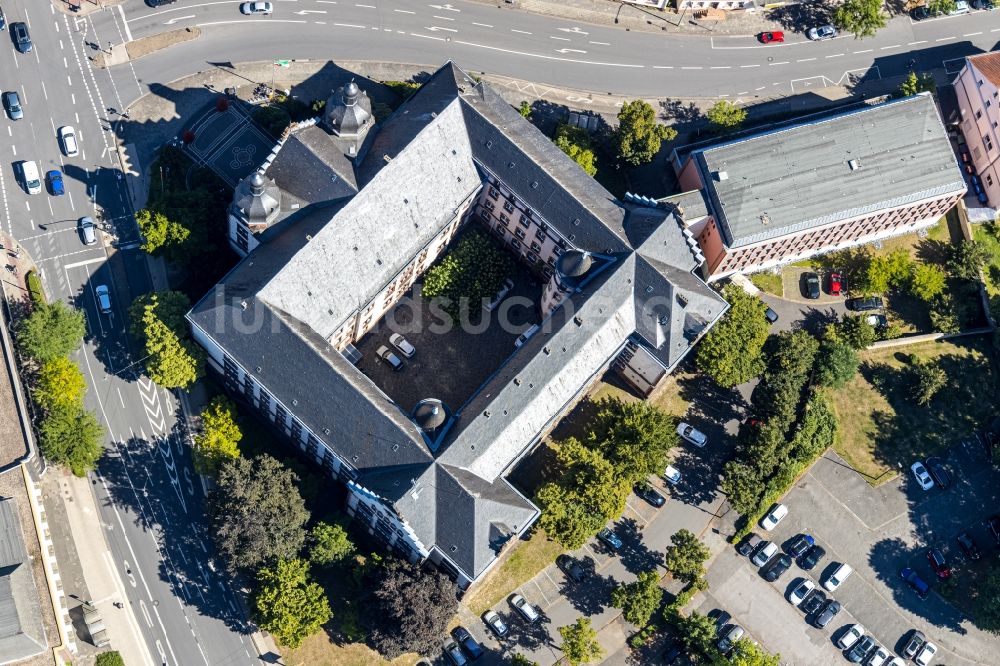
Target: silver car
[(256, 8), (12, 101), (88, 231), (822, 32)]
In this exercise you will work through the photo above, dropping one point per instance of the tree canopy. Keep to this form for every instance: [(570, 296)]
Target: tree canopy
[(968, 258), (173, 360), (256, 512), (60, 385), (987, 615), (412, 608), (914, 84), (633, 436), (697, 632), (288, 604), (72, 436), (112, 658), (580, 643), (575, 142), (639, 135), (747, 653), (856, 331), (50, 331), (726, 115), (160, 234), (927, 281), (329, 544), (863, 18), (836, 362), (732, 352), (219, 437), (686, 556), (928, 379), (639, 599), (473, 270)]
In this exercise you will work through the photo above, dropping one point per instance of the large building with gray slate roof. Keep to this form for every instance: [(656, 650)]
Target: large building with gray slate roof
[(341, 222), (22, 633)]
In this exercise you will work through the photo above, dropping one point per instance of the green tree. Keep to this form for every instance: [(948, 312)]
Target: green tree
[(987, 615), (639, 135), (860, 17), (743, 486), (697, 632), (172, 360), (256, 513), (943, 314), (686, 556), (288, 604), (518, 659), (330, 544), (50, 331), (160, 233), (968, 258), (580, 643), (927, 281), (564, 518), (856, 331), (411, 609), (468, 274), (633, 436), (937, 7), (914, 84), (219, 438), (166, 306), (886, 271), (525, 110), (109, 659), (60, 384), (747, 653), (726, 115), (575, 142), (72, 436), (640, 599), (928, 379), (273, 119), (732, 352), (836, 363)]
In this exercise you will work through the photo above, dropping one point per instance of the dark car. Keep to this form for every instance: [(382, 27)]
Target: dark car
[(994, 523), (748, 545), (862, 304), (774, 569), (577, 570), (861, 649), (800, 545), (609, 539), (969, 546), (771, 315), (495, 623), (914, 580), (812, 603), (920, 13), (829, 612), (810, 285), (938, 563), (913, 645), (648, 493), (3, 20), (672, 653), (22, 40), (454, 652), (468, 643), (720, 617), (983, 4), (12, 102), (938, 472), (158, 3), (811, 558)]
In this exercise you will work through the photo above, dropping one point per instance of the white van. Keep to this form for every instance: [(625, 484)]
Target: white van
[(32, 181)]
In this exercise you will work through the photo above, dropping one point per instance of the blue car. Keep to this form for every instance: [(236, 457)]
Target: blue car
[(56, 182), (610, 539), (914, 580)]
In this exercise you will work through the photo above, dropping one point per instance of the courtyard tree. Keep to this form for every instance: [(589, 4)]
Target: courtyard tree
[(288, 604), (686, 556), (159, 233), (50, 331), (580, 643), (836, 362), (172, 359), (639, 135), (640, 599), (928, 379), (564, 518), (856, 331), (883, 272), (914, 84), (329, 544), (968, 258), (726, 115), (412, 608), (927, 281), (219, 437), (633, 436), (60, 385), (472, 270), (575, 142), (71, 436), (697, 632), (112, 658), (733, 350), (863, 18), (742, 485), (256, 513)]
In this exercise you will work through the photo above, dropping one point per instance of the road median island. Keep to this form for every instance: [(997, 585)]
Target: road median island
[(145, 45)]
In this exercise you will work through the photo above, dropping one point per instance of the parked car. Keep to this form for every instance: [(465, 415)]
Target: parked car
[(826, 615), (938, 472), (3, 20), (12, 102), (471, 646), (922, 476), (771, 37), (812, 557), (986, 5), (749, 544), (813, 602), (390, 358), (103, 295), (524, 337), (837, 578), (925, 655), (969, 546), (878, 657), (851, 635), (256, 8), (822, 32), (727, 642), (799, 545), (22, 40), (836, 283), (690, 435), (773, 517), (994, 524), (877, 320), (770, 315), (765, 553), (810, 285), (895, 661), (67, 139), (673, 652), (913, 644), (55, 182), (577, 570), (672, 475), (159, 3), (721, 619), (940, 566), (526, 610), (914, 580), (862, 304), (801, 591), (454, 652), (920, 13), (495, 623), (648, 493), (861, 649), (776, 568), (609, 539), (88, 230), (508, 284), (961, 7), (403, 345)]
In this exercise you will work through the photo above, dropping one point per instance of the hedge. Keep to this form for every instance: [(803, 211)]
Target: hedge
[(35, 288)]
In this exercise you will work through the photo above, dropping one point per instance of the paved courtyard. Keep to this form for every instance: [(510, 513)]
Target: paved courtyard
[(229, 142)]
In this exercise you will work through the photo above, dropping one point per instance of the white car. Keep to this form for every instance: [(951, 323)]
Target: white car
[(896, 661), (822, 32), (851, 636), (67, 137), (774, 516), (256, 8), (527, 611), (801, 591), (524, 337), (508, 284), (765, 553), (689, 434), (878, 657), (403, 345), (672, 475), (926, 654), (837, 578), (961, 7), (922, 476)]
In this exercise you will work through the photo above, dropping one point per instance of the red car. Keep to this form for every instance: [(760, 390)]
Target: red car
[(768, 37), (938, 563), (836, 284)]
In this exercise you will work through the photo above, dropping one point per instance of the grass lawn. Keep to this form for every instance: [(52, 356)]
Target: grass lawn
[(881, 427), (667, 396), (319, 650), (768, 282), (520, 564), (991, 272)]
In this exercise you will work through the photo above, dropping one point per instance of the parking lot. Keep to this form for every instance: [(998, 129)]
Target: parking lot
[(878, 531)]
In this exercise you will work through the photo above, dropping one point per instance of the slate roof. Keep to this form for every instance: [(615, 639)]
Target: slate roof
[(21, 632), (310, 168), (799, 177), (274, 312)]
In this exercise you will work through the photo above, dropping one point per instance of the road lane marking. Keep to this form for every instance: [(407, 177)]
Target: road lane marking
[(886, 48), (972, 34), (922, 41), (481, 25), (435, 28), (365, 6), (348, 25), (943, 39), (805, 60), (561, 39), (774, 64), (523, 32), (663, 66), (540, 55), (863, 51), (836, 55), (721, 67), (691, 68), (44, 91), (601, 43), (444, 18), (403, 11), (748, 66), (128, 33)]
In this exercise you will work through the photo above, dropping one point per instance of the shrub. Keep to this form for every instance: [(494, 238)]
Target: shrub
[(35, 289)]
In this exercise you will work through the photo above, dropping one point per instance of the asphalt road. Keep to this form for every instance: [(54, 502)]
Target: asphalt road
[(149, 503), (538, 48)]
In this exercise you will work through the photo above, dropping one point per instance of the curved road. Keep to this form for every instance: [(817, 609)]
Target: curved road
[(532, 47)]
